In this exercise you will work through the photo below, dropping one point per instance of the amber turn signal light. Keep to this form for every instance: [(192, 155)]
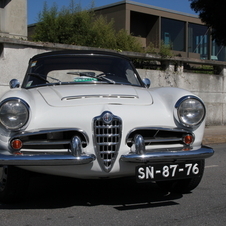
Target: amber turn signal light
[(16, 144), (188, 139)]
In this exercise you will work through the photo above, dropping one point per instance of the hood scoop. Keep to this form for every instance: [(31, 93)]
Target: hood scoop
[(119, 96)]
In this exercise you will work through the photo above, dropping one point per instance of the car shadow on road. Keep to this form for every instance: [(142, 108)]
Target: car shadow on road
[(49, 192)]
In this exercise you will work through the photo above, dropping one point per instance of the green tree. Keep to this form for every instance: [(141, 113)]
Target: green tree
[(127, 42), (74, 25), (212, 14), (103, 33), (68, 25)]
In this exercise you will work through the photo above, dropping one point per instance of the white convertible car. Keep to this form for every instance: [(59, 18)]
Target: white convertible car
[(88, 114)]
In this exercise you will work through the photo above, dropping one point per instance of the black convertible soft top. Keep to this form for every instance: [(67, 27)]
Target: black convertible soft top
[(78, 52)]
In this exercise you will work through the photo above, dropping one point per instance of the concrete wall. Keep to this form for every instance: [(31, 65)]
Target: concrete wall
[(13, 18), (13, 63), (211, 88), (15, 54)]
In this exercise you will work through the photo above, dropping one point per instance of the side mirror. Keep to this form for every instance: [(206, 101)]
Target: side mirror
[(14, 83), (147, 82)]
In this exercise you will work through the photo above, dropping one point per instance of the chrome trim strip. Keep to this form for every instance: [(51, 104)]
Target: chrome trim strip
[(45, 160), (100, 96), (162, 140), (46, 142), (172, 154), (158, 140), (173, 129)]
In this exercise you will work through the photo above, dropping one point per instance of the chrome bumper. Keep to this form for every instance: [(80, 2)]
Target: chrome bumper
[(168, 155), (45, 160), (160, 155)]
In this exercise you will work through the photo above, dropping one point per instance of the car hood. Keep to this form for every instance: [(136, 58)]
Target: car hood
[(70, 95)]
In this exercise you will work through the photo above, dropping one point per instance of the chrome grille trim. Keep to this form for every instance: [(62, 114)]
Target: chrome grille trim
[(107, 139), (50, 139), (158, 140), (158, 135), (44, 142)]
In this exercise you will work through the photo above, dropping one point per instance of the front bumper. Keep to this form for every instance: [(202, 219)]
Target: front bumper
[(45, 160), (160, 155), (169, 155)]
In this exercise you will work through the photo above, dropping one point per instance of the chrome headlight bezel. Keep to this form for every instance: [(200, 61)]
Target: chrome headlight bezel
[(14, 113), (192, 115)]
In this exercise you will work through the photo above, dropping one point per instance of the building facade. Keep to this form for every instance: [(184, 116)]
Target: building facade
[(184, 33)]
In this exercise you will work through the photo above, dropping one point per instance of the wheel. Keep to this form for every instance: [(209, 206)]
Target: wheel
[(13, 183), (183, 185)]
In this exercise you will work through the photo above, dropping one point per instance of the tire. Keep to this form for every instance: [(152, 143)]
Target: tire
[(13, 183), (183, 185)]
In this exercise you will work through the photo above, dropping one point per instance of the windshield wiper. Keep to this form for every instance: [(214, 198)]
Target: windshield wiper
[(90, 75), (102, 75), (42, 77)]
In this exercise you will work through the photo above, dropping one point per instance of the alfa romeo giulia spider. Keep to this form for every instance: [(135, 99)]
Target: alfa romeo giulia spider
[(89, 115)]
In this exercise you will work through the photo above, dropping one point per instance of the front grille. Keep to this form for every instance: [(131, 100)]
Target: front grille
[(107, 138)]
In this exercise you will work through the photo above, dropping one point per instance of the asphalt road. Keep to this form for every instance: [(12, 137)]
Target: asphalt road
[(56, 201)]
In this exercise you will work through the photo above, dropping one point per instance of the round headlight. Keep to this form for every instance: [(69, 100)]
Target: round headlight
[(190, 110), (14, 114)]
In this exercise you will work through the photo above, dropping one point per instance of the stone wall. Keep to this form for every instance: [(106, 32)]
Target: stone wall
[(15, 54)]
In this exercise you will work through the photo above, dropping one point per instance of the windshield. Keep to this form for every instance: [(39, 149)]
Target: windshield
[(80, 69)]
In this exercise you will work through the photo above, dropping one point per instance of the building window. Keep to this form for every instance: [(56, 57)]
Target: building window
[(173, 33), (218, 52), (198, 39), (145, 27)]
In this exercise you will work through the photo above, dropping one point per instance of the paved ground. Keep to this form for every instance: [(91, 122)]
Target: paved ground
[(214, 134)]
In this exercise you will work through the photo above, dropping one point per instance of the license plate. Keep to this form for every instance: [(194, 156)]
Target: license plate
[(162, 172)]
